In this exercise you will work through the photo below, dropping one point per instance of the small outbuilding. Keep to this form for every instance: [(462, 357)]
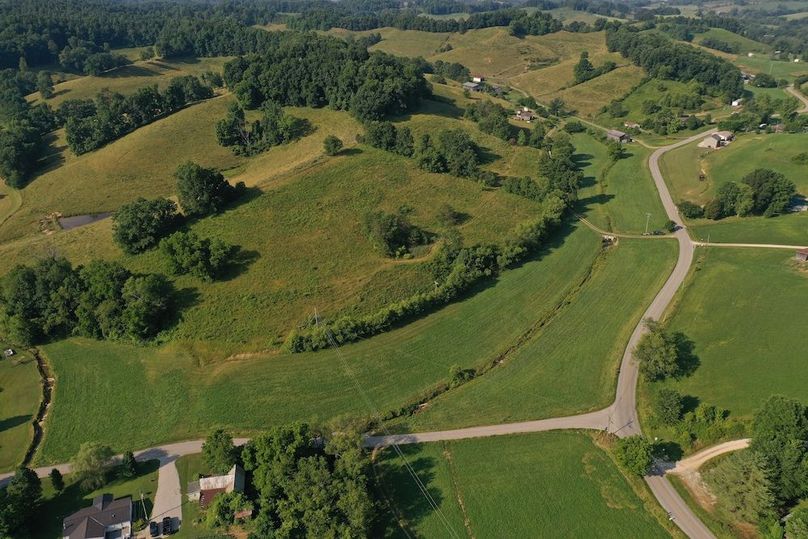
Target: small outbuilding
[(525, 114), (204, 490), (8, 352), (618, 136), (472, 86), (737, 102), (477, 78), (801, 255), (724, 136)]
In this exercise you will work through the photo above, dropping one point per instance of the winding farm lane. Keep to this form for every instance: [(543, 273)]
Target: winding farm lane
[(799, 95)]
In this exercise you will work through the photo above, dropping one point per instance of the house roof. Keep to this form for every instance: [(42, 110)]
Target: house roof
[(233, 479), (616, 133), (92, 522), (470, 85), (206, 496), (724, 135)]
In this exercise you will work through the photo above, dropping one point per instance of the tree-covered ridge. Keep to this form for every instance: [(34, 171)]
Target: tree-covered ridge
[(664, 59)]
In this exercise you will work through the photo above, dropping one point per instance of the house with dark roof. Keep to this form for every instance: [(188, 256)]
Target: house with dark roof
[(618, 136), (472, 87), (107, 518)]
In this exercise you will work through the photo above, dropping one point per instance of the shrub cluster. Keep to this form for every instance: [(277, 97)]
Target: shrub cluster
[(761, 192), (89, 124), (203, 258), (393, 234), (275, 127)]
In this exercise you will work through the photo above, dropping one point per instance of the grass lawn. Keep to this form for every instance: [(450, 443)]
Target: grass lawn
[(541, 483), (189, 468), (20, 395), (129, 78), (169, 393), (779, 69), (570, 364), (57, 506), (742, 309), (681, 168), (618, 197)]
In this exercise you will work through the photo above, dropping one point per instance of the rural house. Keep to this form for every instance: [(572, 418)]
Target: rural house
[(525, 114), (207, 488), (802, 255), (618, 136), (717, 140), (472, 87), (477, 78), (107, 518)]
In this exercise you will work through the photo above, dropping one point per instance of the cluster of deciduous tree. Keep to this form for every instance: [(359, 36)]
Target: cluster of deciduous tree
[(661, 354), (584, 70), (307, 487), (87, 57), (759, 484), (761, 192), (719, 45), (317, 71), (89, 124), (273, 128), (492, 118), (762, 110), (386, 136), (22, 127), (558, 175), (201, 257), (455, 268), (451, 70), (537, 23), (102, 300), (19, 502), (393, 234), (664, 59)]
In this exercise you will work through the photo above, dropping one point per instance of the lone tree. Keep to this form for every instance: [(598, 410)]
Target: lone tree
[(18, 502), (128, 465), (57, 480), (635, 453), (657, 353), (202, 191), (92, 464), (219, 452), (667, 406), (332, 145)]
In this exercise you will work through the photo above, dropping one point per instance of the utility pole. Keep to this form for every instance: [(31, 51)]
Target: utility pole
[(647, 221)]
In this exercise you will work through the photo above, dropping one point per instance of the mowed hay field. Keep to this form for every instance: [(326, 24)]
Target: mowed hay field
[(170, 393), (20, 394), (129, 78), (569, 364), (742, 308), (681, 168), (616, 197), (560, 484)]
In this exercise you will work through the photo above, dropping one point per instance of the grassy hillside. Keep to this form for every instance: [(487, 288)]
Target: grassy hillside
[(617, 197), (172, 393), (570, 363), (529, 485), (128, 78), (681, 168), (740, 309), (20, 394), (744, 44)]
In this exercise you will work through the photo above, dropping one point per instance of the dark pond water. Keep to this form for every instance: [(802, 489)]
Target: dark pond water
[(80, 220)]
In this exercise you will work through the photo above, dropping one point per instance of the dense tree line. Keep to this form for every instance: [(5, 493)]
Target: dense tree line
[(456, 268), (316, 71), (90, 124), (103, 300), (720, 45), (664, 59), (492, 118), (584, 70), (273, 128), (451, 70), (87, 57)]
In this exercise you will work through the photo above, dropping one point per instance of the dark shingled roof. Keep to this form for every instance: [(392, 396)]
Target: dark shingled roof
[(91, 522)]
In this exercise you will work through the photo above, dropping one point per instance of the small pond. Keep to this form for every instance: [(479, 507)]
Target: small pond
[(80, 220)]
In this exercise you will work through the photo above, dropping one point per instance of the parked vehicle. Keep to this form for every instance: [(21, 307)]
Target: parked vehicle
[(154, 529), (168, 529)]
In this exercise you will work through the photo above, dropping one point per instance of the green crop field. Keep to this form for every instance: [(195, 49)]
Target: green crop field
[(57, 505), (620, 200), (681, 169), (20, 395), (741, 308), (126, 79), (557, 372), (170, 393), (537, 485)]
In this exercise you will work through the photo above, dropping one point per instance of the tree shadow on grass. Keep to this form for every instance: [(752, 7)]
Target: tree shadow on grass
[(183, 299), (133, 71), (15, 421), (242, 260), (687, 358), (400, 490)]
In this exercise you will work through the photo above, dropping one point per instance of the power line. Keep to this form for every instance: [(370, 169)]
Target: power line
[(375, 411)]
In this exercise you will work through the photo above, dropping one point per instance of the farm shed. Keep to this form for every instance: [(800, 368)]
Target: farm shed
[(618, 136)]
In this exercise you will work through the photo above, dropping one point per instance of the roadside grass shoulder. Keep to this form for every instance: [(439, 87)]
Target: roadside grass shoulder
[(20, 395), (741, 314), (172, 392), (524, 485), (570, 365), (58, 505)]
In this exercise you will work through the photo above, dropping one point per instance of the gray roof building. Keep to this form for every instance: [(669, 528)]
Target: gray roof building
[(107, 518)]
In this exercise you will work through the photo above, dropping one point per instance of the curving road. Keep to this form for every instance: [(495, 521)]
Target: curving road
[(799, 95)]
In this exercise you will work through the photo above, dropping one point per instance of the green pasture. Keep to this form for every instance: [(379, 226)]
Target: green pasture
[(617, 197), (128, 78), (682, 166), (174, 392), (778, 68), (744, 44), (742, 308), (569, 364), (58, 505), (20, 395), (535, 485)]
